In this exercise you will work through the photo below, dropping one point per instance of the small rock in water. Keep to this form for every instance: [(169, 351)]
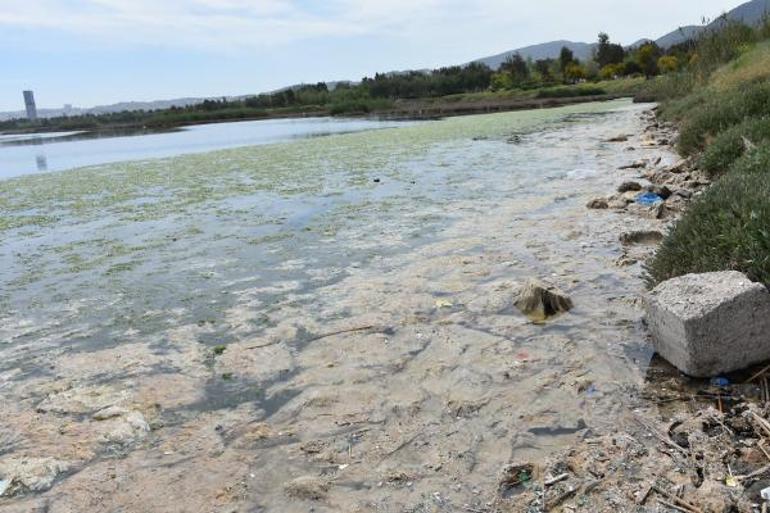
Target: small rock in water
[(539, 301), (30, 474), (630, 186), (307, 488), (598, 204), (619, 138), (109, 413), (639, 164)]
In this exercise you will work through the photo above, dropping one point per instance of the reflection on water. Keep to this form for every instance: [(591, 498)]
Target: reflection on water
[(68, 150), (42, 162)]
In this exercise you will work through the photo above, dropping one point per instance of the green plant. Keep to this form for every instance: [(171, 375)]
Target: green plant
[(728, 228), (731, 144), (722, 111), (756, 161)]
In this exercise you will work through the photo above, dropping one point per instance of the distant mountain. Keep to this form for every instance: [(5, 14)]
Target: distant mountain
[(680, 35), (750, 13), (550, 50)]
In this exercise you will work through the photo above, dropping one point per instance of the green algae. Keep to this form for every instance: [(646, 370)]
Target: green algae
[(153, 189)]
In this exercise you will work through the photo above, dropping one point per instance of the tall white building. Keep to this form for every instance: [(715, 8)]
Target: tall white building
[(29, 103)]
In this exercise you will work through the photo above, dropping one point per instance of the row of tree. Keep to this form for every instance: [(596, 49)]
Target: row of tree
[(609, 61)]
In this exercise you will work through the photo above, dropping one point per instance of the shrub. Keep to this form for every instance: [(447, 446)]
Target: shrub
[(727, 228), (568, 92), (722, 111), (754, 162), (667, 87), (729, 145)]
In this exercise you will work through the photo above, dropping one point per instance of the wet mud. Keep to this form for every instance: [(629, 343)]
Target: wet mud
[(340, 335)]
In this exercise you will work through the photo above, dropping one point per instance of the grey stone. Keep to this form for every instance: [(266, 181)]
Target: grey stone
[(598, 203), (710, 324), (539, 301), (630, 186)]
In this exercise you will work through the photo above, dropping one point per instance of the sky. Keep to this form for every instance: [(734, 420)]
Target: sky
[(96, 52)]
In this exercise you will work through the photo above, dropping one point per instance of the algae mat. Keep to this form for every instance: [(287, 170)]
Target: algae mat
[(323, 324)]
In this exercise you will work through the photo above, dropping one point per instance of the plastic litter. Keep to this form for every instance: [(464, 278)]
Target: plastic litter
[(648, 198), (720, 382), (5, 483), (765, 493)]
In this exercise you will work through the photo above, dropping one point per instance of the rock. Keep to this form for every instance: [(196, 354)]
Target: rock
[(307, 488), (539, 301), (679, 167), (684, 193), (661, 190), (598, 204), (129, 429), (630, 186), (109, 413), (641, 237), (710, 324), (639, 164), (30, 474), (618, 203), (619, 138)]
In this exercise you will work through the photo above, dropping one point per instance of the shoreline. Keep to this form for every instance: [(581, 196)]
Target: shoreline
[(413, 110), (685, 444), (469, 381)]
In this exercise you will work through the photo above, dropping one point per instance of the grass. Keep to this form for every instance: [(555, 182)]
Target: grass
[(731, 144), (722, 111), (719, 103), (726, 228)]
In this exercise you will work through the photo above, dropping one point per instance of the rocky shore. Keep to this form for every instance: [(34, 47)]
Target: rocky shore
[(686, 445)]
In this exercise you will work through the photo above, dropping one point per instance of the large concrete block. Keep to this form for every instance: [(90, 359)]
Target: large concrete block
[(709, 324)]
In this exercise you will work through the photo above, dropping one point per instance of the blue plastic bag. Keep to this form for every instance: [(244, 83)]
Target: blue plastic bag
[(648, 199)]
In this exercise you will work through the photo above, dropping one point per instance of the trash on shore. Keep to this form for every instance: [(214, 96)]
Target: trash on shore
[(648, 199)]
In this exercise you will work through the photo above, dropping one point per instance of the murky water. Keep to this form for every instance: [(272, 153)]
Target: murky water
[(27, 154), (337, 309)]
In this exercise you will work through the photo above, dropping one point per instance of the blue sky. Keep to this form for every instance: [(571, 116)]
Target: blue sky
[(92, 52)]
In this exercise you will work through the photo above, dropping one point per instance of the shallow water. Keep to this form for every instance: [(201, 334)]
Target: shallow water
[(57, 151), (339, 308)]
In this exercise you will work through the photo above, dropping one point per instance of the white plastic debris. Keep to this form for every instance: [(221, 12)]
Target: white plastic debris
[(4, 484), (765, 494)]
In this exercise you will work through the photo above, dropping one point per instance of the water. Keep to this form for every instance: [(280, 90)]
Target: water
[(336, 307), (26, 154)]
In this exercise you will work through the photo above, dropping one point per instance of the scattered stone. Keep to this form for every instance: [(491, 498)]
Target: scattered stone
[(641, 237), (307, 488), (598, 204), (639, 164), (679, 167), (539, 301), (630, 186), (710, 324), (109, 413), (661, 190), (619, 138), (131, 428), (22, 475), (618, 202)]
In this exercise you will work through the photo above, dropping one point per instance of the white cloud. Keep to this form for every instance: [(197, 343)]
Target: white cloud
[(223, 25)]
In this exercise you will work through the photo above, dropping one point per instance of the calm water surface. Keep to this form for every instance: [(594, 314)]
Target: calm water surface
[(27, 154)]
